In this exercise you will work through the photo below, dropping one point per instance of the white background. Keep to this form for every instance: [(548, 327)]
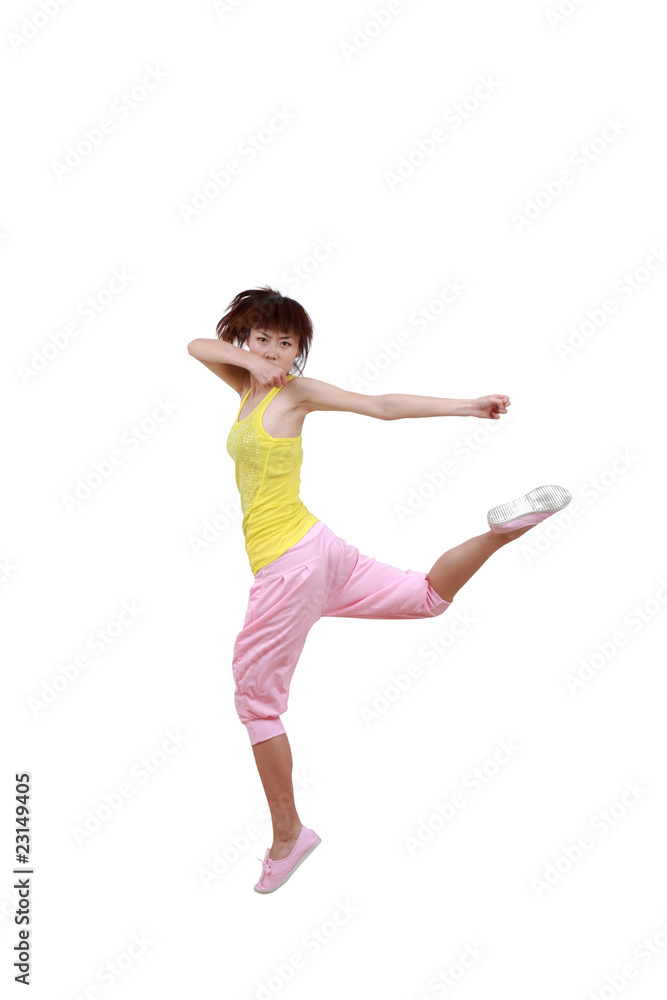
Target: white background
[(395, 922)]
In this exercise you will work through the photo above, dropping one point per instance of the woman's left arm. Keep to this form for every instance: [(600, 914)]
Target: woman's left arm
[(398, 405)]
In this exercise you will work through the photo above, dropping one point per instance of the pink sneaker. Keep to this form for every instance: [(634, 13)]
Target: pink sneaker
[(529, 509), (276, 873)]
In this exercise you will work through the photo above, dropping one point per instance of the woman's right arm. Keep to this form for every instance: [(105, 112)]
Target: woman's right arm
[(228, 362)]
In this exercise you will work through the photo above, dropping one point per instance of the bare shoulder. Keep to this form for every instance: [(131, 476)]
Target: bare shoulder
[(313, 394)]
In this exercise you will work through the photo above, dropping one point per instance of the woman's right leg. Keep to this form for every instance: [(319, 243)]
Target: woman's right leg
[(274, 763)]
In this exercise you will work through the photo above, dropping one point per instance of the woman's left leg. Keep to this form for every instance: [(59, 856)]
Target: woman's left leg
[(457, 565)]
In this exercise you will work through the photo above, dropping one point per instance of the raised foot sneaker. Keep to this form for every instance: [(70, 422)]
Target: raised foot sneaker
[(275, 873), (529, 509)]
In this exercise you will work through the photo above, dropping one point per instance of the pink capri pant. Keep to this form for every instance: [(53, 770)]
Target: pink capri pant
[(322, 575)]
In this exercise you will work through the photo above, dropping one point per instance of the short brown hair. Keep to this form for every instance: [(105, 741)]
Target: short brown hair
[(266, 309)]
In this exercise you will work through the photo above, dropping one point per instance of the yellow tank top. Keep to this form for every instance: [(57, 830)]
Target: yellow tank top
[(268, 476)]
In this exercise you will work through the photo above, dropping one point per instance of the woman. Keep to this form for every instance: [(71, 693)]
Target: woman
[(302, 570)]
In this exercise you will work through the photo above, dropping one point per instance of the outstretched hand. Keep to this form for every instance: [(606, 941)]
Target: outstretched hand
[(489, 406)]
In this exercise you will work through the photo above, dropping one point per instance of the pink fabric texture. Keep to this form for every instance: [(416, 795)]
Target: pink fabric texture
[(321, 576)]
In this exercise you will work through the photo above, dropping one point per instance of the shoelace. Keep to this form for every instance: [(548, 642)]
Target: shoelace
[(266, 865)]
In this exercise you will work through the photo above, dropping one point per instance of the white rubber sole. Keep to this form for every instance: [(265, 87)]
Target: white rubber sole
[(310, 850), (541, 500)]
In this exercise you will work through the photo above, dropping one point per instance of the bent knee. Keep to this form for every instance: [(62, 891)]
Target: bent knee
[(435, 604)]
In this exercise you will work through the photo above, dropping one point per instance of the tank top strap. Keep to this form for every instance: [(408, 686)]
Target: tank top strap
[(238, 412), (261, 406)]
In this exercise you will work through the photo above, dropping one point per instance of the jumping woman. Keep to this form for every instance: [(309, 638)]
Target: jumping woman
[(302, 570)]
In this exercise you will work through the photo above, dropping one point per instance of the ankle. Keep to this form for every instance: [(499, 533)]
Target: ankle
[(286, 832), (511, 536)]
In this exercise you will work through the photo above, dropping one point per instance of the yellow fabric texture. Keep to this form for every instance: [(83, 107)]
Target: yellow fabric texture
[(268, 477)]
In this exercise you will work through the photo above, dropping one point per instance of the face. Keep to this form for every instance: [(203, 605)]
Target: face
[(280, 348)]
